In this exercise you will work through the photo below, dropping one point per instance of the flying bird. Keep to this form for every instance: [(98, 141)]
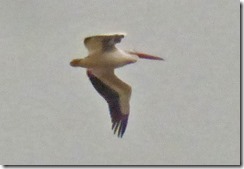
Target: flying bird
[(100, 63)]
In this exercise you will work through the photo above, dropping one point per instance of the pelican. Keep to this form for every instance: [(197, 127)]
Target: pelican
[(100, 63)]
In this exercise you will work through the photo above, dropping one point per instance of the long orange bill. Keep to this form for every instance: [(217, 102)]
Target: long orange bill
[(146, 56)]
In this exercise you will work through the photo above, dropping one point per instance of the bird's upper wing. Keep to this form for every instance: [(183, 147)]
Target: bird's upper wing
[(116, 93), (102, 42)]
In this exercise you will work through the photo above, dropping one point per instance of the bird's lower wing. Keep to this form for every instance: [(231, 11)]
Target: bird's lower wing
[(113, 90)]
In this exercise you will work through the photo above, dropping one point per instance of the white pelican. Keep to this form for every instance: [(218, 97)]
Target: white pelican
[(103, 58)]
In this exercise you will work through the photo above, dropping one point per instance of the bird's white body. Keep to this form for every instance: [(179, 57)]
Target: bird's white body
[(103, 58), (110, 59)]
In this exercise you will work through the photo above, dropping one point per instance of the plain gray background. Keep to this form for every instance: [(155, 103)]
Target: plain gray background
[(185, 110)]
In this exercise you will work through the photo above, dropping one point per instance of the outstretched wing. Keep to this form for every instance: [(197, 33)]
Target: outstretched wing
[(102, 42), (117, 94)]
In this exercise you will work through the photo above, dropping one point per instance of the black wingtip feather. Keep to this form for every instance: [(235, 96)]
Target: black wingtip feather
[(119, 121)]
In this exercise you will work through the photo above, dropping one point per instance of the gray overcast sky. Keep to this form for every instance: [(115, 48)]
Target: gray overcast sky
[(185, 110)]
